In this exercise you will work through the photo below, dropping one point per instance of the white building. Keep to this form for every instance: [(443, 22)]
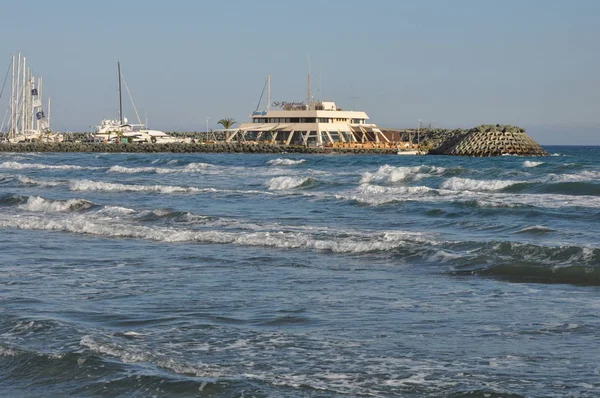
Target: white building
[(315, 123)]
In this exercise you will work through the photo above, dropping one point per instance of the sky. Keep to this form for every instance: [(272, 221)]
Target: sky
[(449, 63)]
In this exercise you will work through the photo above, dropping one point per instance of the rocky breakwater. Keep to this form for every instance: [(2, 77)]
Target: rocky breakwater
[(218, 147), (490, 140)]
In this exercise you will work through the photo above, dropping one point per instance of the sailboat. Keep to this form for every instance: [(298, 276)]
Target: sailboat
[(27, 120), (113, 130)]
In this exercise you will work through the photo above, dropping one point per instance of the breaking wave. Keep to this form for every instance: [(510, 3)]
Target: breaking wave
[(37, 203), (43, 183), (467, 184), (586, 175), (529, 163), (190, 168), (391, 174), (21, 166), (285, 162), (284, 183), (87, 185), (343, 243), (376, 195)]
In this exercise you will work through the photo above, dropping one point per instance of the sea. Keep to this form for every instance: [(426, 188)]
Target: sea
[(288, 275)]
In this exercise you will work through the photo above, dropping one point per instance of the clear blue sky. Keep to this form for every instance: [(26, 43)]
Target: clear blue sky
[(451, 63)]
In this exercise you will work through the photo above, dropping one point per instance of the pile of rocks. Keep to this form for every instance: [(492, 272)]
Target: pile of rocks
[(218, 147), (490, 140)]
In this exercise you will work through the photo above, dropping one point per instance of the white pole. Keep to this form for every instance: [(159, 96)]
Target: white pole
[(24, 95), (49, 115), (17, 98), (12, 98), (207, 127), (40, 99)]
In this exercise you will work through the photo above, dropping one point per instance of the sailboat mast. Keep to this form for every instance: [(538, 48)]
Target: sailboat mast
[(309, 101), (24, 96), (268, 92), (12, 98), (120, 96)]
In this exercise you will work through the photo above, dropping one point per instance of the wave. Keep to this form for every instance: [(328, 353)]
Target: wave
[(190, 168), (586, 175), (12, 200), (536, 230), (136, 170), (546, 201), (467, 184), (43, 183), (87, 185), (376, 195), (523, 262), (37, 203), (285, 162), (529, 163), (285, 183), (570, 188), (343, 243), (526, 273), (21, 166), (392, 174)]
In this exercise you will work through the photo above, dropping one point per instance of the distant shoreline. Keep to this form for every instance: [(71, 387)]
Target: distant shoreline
[(220, 147)]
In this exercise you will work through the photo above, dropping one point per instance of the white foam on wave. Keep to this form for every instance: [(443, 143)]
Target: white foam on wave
[(534, 200), (37, 203), (7, 352), (21, 166), (116, 210), (190, 168), (537, 229), (529, 163), (283, 183), (376, 195), (136, 170), (87, 185), (43, 183), (583, 176), (345, 243), (391, 174), (467, 184), (129, 354), (285, 162)]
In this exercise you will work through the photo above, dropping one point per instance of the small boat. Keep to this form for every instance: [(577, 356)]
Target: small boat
[(409, 152)]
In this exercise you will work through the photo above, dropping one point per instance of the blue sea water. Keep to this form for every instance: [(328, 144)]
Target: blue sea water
[(246, 275)]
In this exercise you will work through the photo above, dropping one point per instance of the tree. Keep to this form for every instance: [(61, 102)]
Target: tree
[(119, 136), (227, 123)]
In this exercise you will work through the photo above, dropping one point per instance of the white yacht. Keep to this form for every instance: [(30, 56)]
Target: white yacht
[(113, 130), (310, 123), (120, 130)]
